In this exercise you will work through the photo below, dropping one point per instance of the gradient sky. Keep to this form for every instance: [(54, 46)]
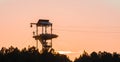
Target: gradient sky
[(91, 25)]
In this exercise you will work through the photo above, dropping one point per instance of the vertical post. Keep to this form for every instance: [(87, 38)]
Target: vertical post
[(51, 28), (45, 29), (37, 35), (42, 29), (51, 34)]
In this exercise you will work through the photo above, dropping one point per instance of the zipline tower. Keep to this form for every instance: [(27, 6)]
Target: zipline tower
[(44, 37)]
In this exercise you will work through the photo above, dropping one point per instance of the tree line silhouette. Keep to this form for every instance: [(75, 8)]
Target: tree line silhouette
[(30, 55), (98, 57), (33, 55)]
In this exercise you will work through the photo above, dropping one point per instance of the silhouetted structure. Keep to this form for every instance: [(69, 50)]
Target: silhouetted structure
[(45, 35)]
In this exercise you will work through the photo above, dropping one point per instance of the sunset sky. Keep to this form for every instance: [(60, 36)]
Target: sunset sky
[(91, 25)]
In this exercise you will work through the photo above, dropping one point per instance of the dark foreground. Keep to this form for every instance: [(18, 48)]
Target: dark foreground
[(32, 55)]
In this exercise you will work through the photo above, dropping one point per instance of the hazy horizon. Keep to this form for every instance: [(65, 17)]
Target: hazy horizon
[(81, 25)]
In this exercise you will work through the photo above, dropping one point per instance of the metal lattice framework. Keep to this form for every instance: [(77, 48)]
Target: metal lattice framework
[(44, 36)]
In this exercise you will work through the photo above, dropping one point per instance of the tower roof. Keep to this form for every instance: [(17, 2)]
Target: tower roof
[(43, 22)]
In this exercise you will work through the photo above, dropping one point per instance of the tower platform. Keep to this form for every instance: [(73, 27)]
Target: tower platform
[(45, 36)]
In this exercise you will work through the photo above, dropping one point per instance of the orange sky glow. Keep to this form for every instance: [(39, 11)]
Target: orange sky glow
[(81, 24)]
